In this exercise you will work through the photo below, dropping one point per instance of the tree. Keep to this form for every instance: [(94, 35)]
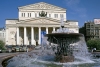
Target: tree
[(82, 30), (94, 43), (2, 44)]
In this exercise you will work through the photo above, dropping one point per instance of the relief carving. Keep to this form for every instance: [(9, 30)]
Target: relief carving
[(41, 6)]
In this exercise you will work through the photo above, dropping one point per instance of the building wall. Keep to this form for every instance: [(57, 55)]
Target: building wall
[(34, 12), (92, 30)]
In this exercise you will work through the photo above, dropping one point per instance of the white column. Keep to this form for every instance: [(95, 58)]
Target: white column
[(25, 36), (39, 42), (53, 29), (17, 35), (46, 30), (32, 35), (7, 36)]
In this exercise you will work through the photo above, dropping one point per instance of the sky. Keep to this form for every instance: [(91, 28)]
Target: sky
[(79, 10)]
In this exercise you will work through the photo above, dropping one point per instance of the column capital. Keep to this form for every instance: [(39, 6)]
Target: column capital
[(39, 27), (47, 27)]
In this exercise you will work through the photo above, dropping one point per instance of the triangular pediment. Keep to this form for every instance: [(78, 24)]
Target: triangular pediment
[(41, 5), (40, 20)]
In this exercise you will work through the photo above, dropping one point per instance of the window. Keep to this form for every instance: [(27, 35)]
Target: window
[(88, 26), (87, 32), (97, 32), (56, 15), (49, 15), (61, 15), (96, 28), (35, 14), (29, 14), (23, 14)]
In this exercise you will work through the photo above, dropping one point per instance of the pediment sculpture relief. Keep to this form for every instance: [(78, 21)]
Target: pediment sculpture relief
[(43, 14)]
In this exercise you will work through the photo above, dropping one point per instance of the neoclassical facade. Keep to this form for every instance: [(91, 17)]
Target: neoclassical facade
[(33, 20)]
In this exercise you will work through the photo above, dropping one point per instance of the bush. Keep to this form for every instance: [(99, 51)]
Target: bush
[(94, 43), (2, 45)]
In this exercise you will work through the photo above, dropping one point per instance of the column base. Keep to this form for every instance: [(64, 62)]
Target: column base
[(34, 43), (39, 42)]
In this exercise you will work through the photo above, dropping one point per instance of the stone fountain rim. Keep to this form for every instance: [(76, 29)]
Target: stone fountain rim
[(64, 34)]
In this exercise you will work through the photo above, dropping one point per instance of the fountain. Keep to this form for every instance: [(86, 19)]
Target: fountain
[(65, 49), (64, 37)]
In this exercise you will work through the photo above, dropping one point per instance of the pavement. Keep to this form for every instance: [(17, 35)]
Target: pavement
[(6, 55)]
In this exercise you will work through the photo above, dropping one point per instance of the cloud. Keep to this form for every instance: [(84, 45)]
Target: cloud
[(75, 6)]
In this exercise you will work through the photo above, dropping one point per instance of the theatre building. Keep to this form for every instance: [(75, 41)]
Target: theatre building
[(35, 20)]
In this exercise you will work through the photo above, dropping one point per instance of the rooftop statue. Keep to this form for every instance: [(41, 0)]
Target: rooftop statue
[(43, 14)]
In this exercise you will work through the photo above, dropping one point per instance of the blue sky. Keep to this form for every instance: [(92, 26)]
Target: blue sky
[(80, 10)]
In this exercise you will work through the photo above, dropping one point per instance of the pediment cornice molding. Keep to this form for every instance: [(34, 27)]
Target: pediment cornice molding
[(40, 5), (40, 20)]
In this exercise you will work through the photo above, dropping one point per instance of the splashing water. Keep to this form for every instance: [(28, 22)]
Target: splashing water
[(44, 56)]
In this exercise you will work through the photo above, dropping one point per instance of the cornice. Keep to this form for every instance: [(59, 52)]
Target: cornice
[(41, 25), (41, 5)]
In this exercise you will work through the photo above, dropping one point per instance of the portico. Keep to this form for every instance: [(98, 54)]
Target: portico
[(31, 35)]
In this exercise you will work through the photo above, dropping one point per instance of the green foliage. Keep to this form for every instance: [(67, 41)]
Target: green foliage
[(94, 43), (2, 45), (82, 30)]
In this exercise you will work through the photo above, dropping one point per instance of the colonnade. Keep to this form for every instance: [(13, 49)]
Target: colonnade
[(32, 35)]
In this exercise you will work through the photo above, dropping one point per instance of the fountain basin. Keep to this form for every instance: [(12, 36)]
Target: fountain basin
[(64, 34)]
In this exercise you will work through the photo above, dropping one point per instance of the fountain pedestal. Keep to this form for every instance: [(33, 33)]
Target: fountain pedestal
[(64, 59)]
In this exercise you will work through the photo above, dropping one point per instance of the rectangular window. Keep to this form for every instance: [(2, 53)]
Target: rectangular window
[(23, 14), (29, 14), (56, 15), (50, 15), (35, 15), (61, 16)]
